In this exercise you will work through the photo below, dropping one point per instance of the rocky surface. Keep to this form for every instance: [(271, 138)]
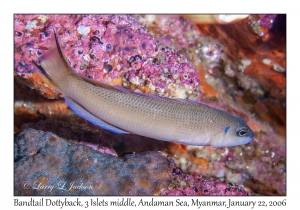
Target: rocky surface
[(194, 184), (114, 49), (46, 164), (238, 67)]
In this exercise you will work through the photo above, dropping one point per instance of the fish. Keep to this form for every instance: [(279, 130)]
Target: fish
[(123, 111)]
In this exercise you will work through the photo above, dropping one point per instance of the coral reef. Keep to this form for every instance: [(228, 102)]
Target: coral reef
[(109, 48), (44, 160), (238, 67), (194, 184)]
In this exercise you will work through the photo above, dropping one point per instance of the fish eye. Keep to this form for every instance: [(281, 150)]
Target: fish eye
[(243, 131)]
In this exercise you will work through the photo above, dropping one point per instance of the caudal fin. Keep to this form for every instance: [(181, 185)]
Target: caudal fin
[(54, 66)]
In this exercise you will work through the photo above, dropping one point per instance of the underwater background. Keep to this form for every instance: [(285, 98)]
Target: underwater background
[(237, 66)]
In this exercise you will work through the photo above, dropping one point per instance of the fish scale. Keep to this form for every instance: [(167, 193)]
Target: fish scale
[(123, 111)]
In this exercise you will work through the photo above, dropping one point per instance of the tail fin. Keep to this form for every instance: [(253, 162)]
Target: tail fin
[(43, 76), (54, 65)]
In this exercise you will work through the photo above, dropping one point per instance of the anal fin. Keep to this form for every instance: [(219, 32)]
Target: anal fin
[(91, 118)]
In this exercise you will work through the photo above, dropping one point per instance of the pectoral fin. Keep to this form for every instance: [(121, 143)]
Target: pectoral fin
[(91, 118)]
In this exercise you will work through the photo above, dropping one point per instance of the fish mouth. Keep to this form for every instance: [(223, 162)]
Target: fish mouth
[(250, 139), (251, 136)]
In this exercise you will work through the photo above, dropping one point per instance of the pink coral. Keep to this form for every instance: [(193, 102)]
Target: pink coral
[(195, 184), (103, 47)]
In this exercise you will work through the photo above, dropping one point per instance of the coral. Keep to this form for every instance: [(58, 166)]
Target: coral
[(261, 24), (44, 160), (259, 161), (227, 57), (194, 184), (104, 48), (267, 21)]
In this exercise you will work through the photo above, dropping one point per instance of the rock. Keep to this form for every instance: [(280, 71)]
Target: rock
[(102, 47), (195, 184), (46, 164)]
